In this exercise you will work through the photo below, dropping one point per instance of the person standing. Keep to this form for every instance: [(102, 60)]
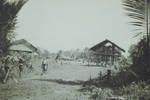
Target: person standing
[(44, 66), (20, 66), (6, 68)]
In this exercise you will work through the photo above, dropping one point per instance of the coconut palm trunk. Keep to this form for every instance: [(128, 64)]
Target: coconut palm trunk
[(147, 18)]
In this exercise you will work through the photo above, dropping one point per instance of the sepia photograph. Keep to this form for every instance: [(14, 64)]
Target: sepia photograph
[(74, 49)]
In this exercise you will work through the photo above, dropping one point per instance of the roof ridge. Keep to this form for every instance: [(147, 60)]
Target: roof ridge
[(105, 41)]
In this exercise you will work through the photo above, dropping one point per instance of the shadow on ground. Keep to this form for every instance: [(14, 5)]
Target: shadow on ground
[(92, 66), (60, 81)]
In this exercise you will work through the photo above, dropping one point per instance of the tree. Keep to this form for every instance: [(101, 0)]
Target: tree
[(139, 11), (8, 20), (58, 56)]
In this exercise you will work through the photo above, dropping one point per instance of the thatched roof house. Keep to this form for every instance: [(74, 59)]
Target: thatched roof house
[(23, 46), (107, 51)]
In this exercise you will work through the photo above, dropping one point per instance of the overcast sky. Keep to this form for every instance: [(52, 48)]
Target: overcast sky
[(71, 24)]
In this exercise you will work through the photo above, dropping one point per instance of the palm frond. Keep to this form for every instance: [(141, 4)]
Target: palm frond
[(136, 10), (8, 20)]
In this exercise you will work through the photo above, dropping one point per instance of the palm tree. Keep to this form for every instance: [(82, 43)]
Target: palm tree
[(8, 19), (139, 11)]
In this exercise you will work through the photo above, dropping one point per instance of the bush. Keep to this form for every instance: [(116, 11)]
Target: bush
[(135, 91), (140, 57), (101, 94)]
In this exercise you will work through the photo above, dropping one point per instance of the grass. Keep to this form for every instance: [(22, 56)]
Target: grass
[(123, 85), (134, 91)]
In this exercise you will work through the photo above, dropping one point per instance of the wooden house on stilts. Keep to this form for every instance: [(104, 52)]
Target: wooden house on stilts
[(107, 52)]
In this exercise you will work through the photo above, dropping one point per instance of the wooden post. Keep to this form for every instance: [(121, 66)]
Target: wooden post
[(108, 74), (113, 54)]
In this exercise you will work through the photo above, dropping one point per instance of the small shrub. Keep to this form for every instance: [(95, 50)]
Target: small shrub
[(101, 94), (136, 91)]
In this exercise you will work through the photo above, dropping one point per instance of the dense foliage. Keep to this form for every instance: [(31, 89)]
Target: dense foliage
[(139, 10), (8, 19)]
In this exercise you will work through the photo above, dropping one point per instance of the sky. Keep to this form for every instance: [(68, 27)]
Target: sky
[(70, 24)]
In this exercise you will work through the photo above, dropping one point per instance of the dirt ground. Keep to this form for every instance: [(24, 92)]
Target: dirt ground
[(60, 83)]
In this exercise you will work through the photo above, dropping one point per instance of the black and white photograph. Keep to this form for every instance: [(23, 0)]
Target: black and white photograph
[(74, 49)]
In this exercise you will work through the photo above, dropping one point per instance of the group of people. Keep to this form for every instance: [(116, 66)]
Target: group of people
[(9, 63)]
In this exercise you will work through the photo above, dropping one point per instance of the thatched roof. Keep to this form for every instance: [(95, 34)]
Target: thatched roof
[(101, 44), (20, 47), (23, 45)]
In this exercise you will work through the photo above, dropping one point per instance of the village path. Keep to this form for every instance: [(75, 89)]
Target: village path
[(60, 83)]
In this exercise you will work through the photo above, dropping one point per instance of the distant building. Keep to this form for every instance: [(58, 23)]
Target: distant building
[(23, 46), (65, 58), (107, 52)]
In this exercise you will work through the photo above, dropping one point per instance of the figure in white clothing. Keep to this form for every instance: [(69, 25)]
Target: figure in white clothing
[(44, 66)]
